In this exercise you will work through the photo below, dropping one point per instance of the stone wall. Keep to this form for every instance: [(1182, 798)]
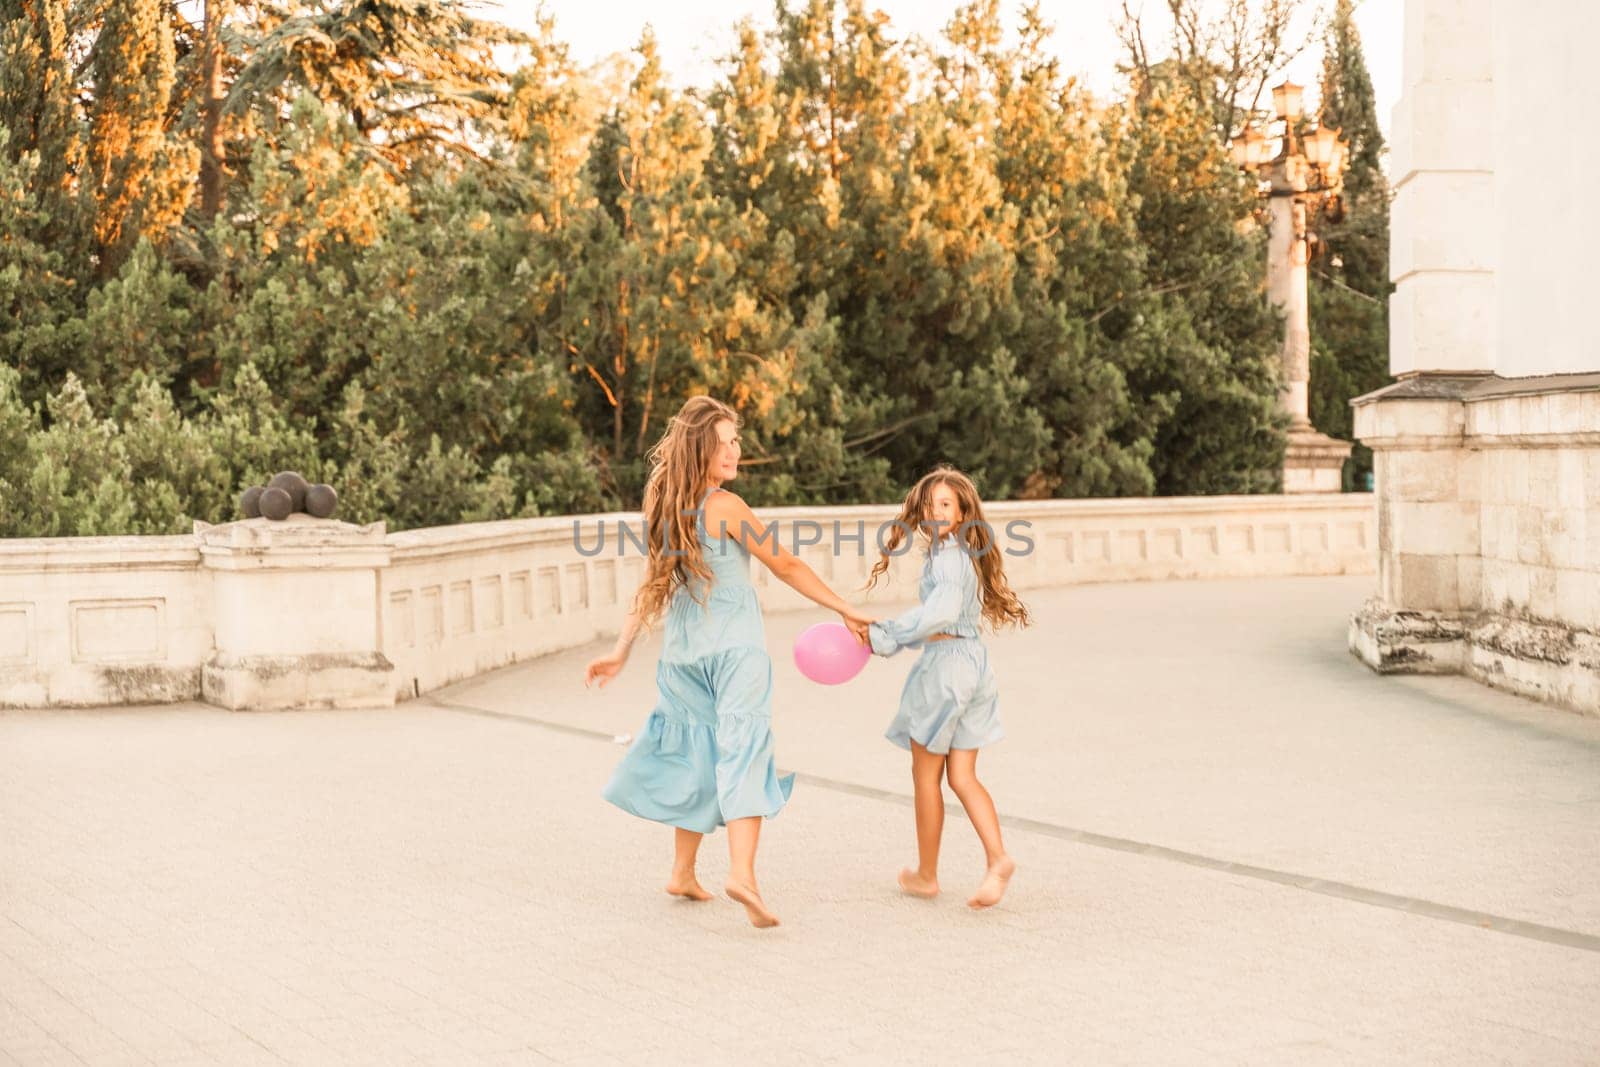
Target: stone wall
[(1489, 533), (315, 613)]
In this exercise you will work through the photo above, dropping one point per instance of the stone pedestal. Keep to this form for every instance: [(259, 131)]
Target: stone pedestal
[(296, 614), (1313, 462), (1488, 532)]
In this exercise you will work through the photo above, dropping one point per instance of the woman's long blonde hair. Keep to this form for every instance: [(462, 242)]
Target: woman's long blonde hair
[(679, 463), (1000, 605)]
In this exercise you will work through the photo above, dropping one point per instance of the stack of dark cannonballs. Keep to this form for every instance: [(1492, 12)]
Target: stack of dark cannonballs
[(286, 494)]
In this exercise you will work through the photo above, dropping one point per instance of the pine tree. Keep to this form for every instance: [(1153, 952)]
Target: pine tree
[(549, 129), (656, 307), (285, 296), (1201, 342), (900, 226), (1077, 253), (761, 166)]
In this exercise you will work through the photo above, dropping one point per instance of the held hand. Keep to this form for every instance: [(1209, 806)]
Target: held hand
[(857, 625), (604, 668)]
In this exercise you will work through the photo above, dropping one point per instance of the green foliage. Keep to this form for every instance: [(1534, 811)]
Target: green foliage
[(142, 467), (410, 76), (1350, 272), (459, 294), (69, 478), (1204, 340), (39, 326), (136, 324)]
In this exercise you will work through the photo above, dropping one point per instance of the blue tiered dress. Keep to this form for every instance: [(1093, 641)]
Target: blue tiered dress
[(705, 755), (950, 699)]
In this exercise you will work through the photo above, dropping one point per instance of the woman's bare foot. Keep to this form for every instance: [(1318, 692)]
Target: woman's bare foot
[(993, 886), (914, 885), (754, 907), (687, 886)]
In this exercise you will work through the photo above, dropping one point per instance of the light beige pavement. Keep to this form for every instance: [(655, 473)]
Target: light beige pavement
[(1237, 844)]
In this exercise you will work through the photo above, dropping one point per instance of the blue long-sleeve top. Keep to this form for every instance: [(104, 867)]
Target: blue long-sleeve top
[(950, 605)]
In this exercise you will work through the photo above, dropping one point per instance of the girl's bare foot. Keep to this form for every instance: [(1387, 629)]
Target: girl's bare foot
[(687, 886), (760, 917), (993, 886), (914, 885)]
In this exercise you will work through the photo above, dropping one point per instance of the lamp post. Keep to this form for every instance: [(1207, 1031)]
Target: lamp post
[(1296, 169)]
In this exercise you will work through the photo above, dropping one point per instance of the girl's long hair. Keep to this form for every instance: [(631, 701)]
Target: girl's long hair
[(679, 463), (1000, 605)]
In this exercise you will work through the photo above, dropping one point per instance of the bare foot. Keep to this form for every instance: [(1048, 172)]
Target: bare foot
[(688, 887), (914, 885), (760, 917), (993, 886)]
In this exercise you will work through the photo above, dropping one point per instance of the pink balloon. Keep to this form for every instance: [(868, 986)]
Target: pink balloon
[(830, 654)]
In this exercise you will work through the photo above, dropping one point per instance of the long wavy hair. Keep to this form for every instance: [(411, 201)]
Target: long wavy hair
[(1001, 607), (679, 463)]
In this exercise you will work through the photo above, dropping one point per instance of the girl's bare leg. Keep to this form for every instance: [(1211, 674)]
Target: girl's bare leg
[(683, 883), (963, 774), (743, 836), (927, 781)]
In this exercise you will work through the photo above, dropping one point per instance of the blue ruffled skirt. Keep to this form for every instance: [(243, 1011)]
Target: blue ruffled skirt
[(705, 755), (950, 699)]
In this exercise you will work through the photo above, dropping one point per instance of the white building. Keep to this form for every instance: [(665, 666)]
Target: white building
[(1488, 445)]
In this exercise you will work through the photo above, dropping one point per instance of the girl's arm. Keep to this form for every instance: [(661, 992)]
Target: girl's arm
[(735, 518), (606, 667), (941, 609)]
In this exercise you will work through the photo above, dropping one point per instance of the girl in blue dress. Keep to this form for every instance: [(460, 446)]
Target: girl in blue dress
[(704, 757), (949, 706)]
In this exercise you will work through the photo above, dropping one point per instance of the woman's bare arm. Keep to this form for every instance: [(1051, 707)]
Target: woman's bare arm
[(728, 514), (630, 630), (604, 668)]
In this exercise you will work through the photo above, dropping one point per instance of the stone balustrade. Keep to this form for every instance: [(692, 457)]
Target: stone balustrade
[(319, 613)]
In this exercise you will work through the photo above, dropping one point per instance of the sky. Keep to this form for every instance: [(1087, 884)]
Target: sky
[(692, 35)]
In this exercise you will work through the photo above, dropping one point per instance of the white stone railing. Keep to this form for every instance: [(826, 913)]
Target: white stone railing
[(319, 613), (102, 620)]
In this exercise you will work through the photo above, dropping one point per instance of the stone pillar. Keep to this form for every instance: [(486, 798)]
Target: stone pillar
[(1313, 462), (1286, 289), (296, 614), (1441, 223)]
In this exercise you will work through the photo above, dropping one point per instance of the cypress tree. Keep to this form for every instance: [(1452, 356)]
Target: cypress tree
[(37, 102), (139, 179), (1350, 268)]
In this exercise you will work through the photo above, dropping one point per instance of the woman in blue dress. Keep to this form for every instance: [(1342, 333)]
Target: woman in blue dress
[(704, 757)]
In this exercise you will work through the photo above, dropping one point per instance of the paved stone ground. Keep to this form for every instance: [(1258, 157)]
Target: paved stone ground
[(1236, 843)]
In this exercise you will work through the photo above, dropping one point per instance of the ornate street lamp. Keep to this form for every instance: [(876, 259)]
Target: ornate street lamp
[(1286, 101), (1296, 169)]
